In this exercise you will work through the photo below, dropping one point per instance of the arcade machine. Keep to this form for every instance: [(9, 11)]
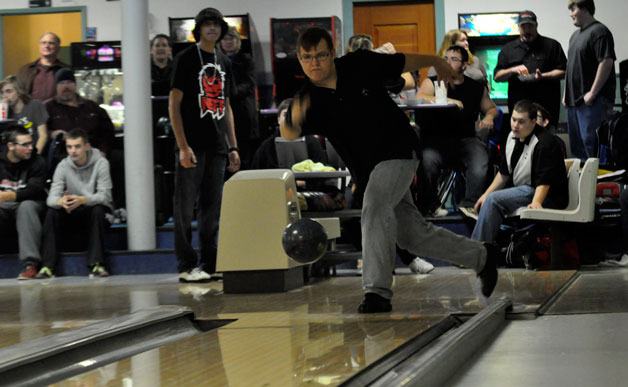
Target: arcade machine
[(287, 72), (488, 32)]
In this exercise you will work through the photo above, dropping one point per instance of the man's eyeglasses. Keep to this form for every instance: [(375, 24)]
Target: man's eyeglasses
[(453, 59), (24, 144), (320, 57)]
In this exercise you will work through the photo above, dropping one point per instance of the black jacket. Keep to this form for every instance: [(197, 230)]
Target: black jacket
[(26, 178)]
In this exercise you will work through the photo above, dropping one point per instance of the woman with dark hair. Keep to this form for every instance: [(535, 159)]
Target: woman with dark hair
[(161, 64), (243, 100)]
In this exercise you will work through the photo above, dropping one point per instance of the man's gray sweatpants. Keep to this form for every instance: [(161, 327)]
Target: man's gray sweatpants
[(390, 217), (24, 216)]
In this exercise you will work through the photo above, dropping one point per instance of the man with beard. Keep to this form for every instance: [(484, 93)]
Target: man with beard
[(533, 66)]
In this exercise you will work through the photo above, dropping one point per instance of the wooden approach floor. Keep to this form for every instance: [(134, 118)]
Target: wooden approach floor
[(309, 336)]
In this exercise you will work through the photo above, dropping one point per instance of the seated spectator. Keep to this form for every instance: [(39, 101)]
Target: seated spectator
[(80, 196), (160, 64), (38, 78), (22, 195), (531, 173), (451, 139), (266, 155), (474, 69), (29, 113), (68, 111)]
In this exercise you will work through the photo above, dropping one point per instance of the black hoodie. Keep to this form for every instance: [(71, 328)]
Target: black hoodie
[(26, 178)]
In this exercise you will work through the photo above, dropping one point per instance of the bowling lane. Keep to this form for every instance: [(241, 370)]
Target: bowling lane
[(36, 308), (301, 353), (310, 335)]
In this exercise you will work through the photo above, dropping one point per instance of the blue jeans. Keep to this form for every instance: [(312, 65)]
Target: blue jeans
[(390, 217), (203, 185), (582, 123), (496, 207)]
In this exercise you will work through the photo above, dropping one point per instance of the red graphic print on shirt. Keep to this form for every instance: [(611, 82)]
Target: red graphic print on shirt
[(211, 98)]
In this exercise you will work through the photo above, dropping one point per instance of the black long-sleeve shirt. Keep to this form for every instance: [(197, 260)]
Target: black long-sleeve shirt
[(26, 178)]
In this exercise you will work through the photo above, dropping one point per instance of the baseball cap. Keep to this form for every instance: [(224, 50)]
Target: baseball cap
[(527, 17)]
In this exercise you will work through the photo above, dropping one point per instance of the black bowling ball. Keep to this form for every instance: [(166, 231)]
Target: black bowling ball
[(305, 240)]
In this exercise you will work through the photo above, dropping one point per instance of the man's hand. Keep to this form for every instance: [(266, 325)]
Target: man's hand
[(386, 48), (486, 123), (300, 106), (187, 158), (479, 203), (234, 162), (7, 196), (519, 70), (589, 98), (444, 71), (538, 75), (456, 102), (72, 202), (535, 205)]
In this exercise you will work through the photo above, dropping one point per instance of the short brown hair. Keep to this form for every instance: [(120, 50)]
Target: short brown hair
[(528, 107), (77, 133), (312, 36), (589, 5)]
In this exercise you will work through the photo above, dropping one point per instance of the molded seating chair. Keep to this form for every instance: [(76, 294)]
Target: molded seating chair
[(581, 208)]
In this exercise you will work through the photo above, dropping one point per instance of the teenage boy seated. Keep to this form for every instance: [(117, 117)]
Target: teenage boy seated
[(79, 197), (531, 173)]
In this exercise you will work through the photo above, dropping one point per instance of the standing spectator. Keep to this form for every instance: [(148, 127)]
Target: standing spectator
[(68, 111), (160, 64), (79, 197), (243, 97), (22, 195), (38, 78), (533, 66), (29, 113), (590, 80), (202, 120)]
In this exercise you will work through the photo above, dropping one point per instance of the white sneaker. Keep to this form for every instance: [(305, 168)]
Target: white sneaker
[(420, 266), (440, 212), (469, 212), (194, 275), (623, 262)]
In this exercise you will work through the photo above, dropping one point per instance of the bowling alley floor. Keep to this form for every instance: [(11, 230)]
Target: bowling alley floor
[(308, 336)]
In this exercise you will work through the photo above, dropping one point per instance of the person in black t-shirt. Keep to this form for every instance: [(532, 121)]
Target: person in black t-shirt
[(452, 140), (160, 64), (533, 66), (202, 121), (346, 101), (243, 99), (590, 79), (531, 173)]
